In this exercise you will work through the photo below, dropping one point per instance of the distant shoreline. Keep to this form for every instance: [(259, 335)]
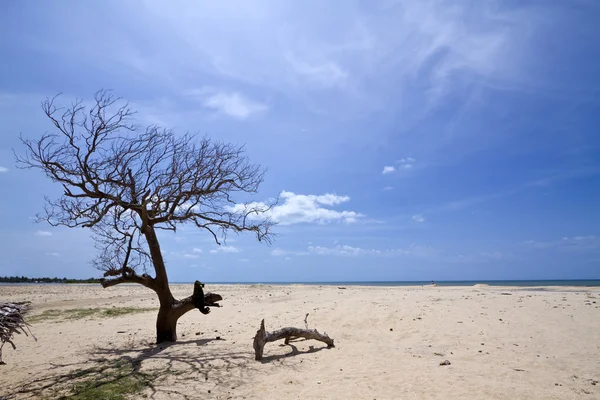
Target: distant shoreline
[(44, 280), (511, 283), (515, 283)]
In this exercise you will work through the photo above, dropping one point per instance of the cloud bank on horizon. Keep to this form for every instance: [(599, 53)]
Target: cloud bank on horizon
[(405, 140)]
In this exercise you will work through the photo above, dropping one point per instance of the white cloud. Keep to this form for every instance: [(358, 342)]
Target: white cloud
[(244, 259), (350, 251), (225, 249), (234, 104), (351, 46), (340, 250), (3, 169), (412, 251), (327, 74), (478, 257), (185, 255), (346, 250), (387, 188), (418, 218), (282, 253), (573, 243), (406, 163), (189, 255), (53, 254), (197, 250), (43, 233), (401, 164), (300, 208)]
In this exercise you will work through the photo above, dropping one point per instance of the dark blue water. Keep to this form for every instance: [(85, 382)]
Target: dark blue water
[(574, 282), (516, 283)]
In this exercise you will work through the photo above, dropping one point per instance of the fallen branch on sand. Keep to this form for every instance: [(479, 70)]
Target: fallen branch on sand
[(263, 337), (11, 322)]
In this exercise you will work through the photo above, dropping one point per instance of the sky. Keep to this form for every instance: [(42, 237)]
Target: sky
[(406, 140)]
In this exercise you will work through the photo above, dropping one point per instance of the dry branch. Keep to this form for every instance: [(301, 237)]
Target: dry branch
[(263, 337), (127, 183), (12, 322)]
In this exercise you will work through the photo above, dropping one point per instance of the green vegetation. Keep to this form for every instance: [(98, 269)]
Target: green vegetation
[(80, 313), (112, 380), (114, 386), (24, 279), (48, 314), (118, 311)]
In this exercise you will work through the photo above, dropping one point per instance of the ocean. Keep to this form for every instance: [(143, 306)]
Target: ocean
[(516, 283), (569, 282)]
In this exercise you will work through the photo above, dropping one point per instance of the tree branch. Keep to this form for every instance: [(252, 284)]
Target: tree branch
[(124, 183), (144, 279), (263, 337), (189, 303)]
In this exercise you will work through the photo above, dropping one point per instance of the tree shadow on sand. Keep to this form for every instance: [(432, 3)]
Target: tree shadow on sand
[(294, 351), (158, 369), (180, 370)]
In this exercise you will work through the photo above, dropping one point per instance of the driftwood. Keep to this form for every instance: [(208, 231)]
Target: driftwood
[(11, 322), (263, 337)]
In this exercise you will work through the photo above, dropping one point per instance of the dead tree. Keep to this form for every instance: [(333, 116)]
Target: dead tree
[(263, 337), (127, 183), (11, 323)]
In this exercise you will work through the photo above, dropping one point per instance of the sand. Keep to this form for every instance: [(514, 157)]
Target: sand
[(502, 343)]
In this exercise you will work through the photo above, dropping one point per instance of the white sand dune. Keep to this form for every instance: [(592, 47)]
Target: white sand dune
[(502, 343)]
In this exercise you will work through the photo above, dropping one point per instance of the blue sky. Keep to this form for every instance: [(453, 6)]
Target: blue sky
[(408, 140)]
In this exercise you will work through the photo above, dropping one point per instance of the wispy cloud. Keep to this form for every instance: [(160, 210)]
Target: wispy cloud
[(281, 253), (225, 249), (183, 254), (406, 163), (289, 47), (418, 218), (43, 233), (425, 253), (478, 257), (53, 254), (306, 208), (353, 251), (567, 243), (3, 169), (327, 74), (342, 250), (188, 255), (529, 185), (564, 176), (234, 104)]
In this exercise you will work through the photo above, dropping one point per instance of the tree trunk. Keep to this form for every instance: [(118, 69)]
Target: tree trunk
[(166, 325), (171, 310)]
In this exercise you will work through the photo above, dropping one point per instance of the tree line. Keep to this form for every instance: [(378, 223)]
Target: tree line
[(24, 279)]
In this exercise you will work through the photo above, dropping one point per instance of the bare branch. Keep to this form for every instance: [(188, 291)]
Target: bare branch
[(133, 278), (125, 183)]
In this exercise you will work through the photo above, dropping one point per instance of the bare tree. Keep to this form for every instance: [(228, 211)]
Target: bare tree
[(125, 183)]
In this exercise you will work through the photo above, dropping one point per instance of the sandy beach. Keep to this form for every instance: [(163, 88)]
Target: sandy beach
[(501, 343)]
